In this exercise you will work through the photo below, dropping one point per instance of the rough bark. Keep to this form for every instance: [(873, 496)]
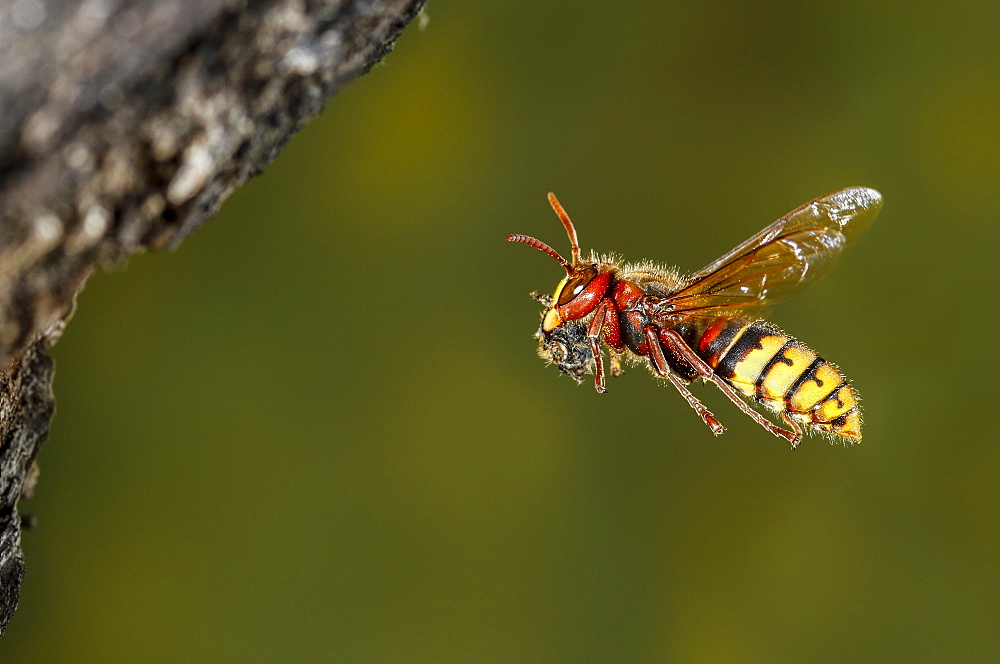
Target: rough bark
[(123, 126)]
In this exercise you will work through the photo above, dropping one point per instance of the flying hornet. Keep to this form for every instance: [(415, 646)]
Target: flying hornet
[(705, 325)]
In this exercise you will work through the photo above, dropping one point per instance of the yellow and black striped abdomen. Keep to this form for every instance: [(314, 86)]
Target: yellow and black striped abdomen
[(784, 375)]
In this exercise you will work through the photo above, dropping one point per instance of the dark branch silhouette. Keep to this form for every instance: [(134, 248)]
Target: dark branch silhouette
[(123, 126)]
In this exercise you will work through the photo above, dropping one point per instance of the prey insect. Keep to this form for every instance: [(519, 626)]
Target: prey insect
[(706, 325)]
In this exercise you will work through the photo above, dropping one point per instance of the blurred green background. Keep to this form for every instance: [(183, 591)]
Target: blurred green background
[(319, 430)]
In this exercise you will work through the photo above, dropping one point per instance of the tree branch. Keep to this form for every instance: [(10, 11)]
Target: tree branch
[(123, 126)]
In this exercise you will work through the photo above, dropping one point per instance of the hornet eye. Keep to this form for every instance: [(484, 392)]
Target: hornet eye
[(575, 285)]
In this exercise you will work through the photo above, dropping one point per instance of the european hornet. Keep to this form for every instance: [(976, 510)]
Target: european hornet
[(705, 325)]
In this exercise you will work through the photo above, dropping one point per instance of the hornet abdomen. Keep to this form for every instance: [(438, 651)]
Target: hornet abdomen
[(783, 374)]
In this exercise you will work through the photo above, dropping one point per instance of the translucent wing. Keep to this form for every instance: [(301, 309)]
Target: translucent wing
[(790, 254)]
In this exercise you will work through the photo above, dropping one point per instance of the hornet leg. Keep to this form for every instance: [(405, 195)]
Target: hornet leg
[(680, 348), (662, 368)]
